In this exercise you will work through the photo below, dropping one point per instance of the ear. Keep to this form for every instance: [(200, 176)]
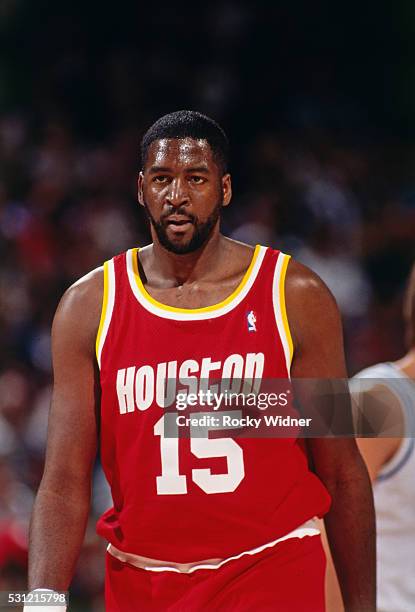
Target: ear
[(226, 189), (140, 194)]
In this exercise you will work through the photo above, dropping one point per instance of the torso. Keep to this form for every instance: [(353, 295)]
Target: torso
[(227, 497)]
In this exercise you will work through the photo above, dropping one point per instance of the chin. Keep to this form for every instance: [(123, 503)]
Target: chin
[(181, 248), (180, 244)]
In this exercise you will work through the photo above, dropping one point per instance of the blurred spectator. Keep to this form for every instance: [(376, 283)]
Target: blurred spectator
[(70, 123)]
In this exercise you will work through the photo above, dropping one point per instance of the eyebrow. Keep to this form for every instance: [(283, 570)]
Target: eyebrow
[(157, 169), (204, 169)]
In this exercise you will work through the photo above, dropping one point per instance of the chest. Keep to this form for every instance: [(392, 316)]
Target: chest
[(231, 333), (195, 294)]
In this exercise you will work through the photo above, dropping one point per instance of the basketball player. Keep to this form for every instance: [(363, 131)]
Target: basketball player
[(199, 523), (386, 398)]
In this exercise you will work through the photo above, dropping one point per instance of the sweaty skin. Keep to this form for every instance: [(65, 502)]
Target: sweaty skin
[(181, 178)]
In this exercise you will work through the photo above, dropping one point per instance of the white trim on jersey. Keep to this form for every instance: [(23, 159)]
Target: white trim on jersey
[(197, 314), (107, 307), (278, 298), (309, 528)]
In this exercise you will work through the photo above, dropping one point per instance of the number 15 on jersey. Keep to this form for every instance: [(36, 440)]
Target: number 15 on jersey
[(171, 482)]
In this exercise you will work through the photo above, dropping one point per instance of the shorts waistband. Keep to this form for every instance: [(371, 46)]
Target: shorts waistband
[(309, 528)]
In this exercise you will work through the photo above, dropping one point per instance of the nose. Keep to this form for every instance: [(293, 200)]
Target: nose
[(177, 194)]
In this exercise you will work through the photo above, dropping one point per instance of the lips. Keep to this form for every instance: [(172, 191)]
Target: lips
[(178, 221), (178, 225)]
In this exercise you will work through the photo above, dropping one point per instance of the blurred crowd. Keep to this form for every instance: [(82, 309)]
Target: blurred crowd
[(343, 206), (66, 207)]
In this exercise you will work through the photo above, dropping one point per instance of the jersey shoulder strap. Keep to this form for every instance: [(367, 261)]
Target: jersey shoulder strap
[(113, 273)]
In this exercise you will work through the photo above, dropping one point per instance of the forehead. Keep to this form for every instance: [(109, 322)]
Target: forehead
[(174, 152)]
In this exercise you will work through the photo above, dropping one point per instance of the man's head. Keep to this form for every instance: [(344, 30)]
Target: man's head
[(409, 309), (184, 183), (189, 124)]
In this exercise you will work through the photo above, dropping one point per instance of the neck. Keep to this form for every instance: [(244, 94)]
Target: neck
[(189, 267), (407, 363)]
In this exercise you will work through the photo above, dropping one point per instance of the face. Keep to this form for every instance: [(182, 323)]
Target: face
[(183, 191)]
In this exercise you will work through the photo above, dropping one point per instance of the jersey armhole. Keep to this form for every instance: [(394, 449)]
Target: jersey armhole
[(107, 308), (397, 461), (406, 447), (280, 310), (364, 382)]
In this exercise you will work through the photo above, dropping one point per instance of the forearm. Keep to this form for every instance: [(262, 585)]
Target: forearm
[(56, 533), (351, 532)]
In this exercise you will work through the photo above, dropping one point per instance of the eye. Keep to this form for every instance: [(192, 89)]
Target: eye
[(160, 179), (197, 180)]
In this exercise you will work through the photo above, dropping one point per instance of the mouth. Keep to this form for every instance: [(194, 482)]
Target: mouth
[(178, 223)]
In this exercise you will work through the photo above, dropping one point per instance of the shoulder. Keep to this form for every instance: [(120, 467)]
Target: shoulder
[(79, 310), (310, 303), (376, 387), (303, 284), (378, 402), (85, 293), (378, 370), (379, 414)]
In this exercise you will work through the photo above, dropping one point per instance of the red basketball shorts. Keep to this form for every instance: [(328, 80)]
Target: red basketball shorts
[(288, 577)]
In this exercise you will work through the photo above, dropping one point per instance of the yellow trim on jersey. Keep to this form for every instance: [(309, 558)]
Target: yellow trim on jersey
[(212, 308), (103, 311), (283, 307)]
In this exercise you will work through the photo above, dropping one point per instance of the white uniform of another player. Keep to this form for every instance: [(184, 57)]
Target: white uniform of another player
[(394, 493)]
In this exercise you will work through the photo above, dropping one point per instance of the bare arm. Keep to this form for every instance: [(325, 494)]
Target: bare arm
[(62, 504), (350, 523), (376, 452), (383, 413)]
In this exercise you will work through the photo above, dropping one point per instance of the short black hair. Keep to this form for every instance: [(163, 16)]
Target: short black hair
[(189, 124)]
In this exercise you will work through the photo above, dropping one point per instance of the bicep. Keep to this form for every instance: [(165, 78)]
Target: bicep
[(316, 328), (319, 372), (72, 430)]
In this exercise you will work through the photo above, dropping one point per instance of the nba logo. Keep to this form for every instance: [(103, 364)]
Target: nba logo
[(251, 320)]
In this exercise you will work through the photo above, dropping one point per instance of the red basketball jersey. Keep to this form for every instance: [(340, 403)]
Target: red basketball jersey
[(185, 499)]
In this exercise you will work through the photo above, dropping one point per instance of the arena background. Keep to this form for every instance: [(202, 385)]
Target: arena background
[(318, 100)]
